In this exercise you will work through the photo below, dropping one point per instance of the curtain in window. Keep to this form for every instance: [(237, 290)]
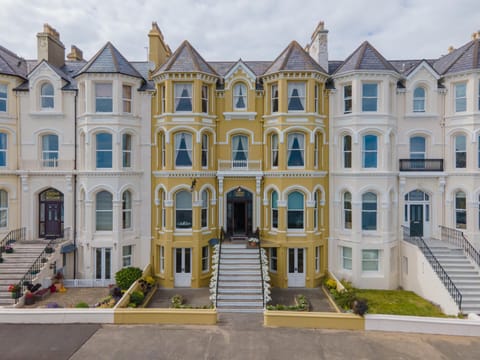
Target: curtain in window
[(204, 150), (50, 150), (295, 210), (370, 260), (183, 210), (295, 149), (183, 144), (104, 211), (239, 94), (183, 97), (240, 150), (296, 96), (274, 150)]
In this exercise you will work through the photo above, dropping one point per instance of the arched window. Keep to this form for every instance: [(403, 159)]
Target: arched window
[(183, 149), (104, 150), (315, 210), (274, 202), (46, 96), (126, 150), (240, 151), (347, 152), (204, 209), (3, 209), (183, 210), (369, 211), (460, 152), (240, 97), (3, 149), (460, 210), (295, 210), (347, 210), (205, 150), (126, 210), (370, 151), (50, 150), (296, 149), (417, 147), (419, 99), (103, 211), (274, 154)]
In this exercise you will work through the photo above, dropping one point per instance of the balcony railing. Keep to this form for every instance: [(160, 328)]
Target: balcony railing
[(239, 165), (47, 164), (421, 164)]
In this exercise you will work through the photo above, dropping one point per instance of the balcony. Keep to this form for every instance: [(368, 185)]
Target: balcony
[(47, 164), (421, 164), (239, 165)]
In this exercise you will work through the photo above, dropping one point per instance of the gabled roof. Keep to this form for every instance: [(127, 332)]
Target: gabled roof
[(464, 58), (187, 59), (294, 58), (11, 64), (109, 60), (365, 57), (240, 64), (222, 67)]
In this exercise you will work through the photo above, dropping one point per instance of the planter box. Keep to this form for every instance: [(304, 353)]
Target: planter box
[(252, 245)]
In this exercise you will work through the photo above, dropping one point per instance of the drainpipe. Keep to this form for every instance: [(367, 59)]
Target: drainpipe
[(75, 189)]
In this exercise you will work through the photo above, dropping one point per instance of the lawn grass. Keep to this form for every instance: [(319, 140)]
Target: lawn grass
[(398, 302)]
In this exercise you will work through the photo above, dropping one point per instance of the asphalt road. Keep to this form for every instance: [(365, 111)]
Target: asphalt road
[(235, 337)]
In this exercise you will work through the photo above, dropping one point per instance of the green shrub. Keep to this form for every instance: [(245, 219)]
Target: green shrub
[(331, 284), (131, 305), (177, 301), (82, 304), (137, 297), (127, 276)]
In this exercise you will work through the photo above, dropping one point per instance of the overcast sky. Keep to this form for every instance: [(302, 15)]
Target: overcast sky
[(247, 29)]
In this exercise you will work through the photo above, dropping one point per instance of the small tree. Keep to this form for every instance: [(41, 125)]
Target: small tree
[(127, 276)]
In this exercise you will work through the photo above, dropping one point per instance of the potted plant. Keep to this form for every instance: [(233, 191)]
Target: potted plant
[(49, 249), (29, 298), (14, 289), (8, 249), (252, 243), (57, 280)]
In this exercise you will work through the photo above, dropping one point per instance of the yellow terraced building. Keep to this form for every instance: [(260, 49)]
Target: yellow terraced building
[(239, 147)]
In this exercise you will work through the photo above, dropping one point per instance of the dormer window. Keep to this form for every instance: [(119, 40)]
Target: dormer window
[(183, 97), (46, 96), (460, 97), (419, 100), (296, 96), (103, 98), (240, 97), (3, 98)]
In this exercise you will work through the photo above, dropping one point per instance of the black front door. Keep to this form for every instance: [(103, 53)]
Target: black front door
[(239, 218), (239, 212), (53, 219), (416, 220)]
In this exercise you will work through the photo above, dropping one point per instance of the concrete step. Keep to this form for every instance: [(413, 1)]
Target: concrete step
[(246, 310), (471, 310), (234, 304), (239, 278), (244, 297), (234, 245), (254, 266), (239, 251), (223, 290), (239, 284), (455, 277), (237, 261), (239, 272)]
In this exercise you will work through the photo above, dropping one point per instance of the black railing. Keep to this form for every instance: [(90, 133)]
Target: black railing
[(257, 235), (220, 241), (436, 266), (421, 164), (12, 236), (456, 237)]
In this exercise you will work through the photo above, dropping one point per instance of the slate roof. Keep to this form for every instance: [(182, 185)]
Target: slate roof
[(187, 59), (109, 60), (294, 58), (11, 64), (467, 57), (223, 67), (143, 67), (365, 57)]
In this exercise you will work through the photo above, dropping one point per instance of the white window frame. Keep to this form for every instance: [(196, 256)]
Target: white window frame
[(205, 104), (106, 86), (366, 152), (274, 98), (367, 97), (315, 96), (4, 97), (317, 259), (274, 150), (369, 211), (127, 256), (461, 151), (161, 251), (127, 210), (205, 258), (296, 229), (127, 151), (163, 97), (374, 260), (460, 210), (99, 211), (239, 87), (49, 157), (419, 100), (178, 90), (346, 152), (127, 95), (3, 209), (347, 99), (204, 210), (205, 146), (4, 150), (301, 149), (345, 260), (302, 95), (47, 97), (189, 148), (460, 99), (273, 209), (346, 210), (273, 256)]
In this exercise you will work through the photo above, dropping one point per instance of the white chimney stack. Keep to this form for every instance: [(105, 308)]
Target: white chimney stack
[(318, 48)]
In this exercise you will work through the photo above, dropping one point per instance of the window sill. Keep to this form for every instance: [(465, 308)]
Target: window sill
[(299, 233)]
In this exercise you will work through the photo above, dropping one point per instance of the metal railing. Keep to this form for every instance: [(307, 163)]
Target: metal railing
[(12, 236), (456, 237), (435, 264), (257, 235), (421, 164), (221, 238), (239, 165)]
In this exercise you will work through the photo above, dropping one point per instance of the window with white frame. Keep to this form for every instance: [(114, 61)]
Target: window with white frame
[(347, 210), (183, 149), (46, 96), (164, 150), (370, 260), (315, 210), (478, 206), (163, 210), (460, 210), (183, 97), (273, 259), (103, 97), (478, 96), (183, 210), (315, 96), (204, 151), (417, 147), (104, 149), (460, 152), (274, 154), (127, 255), (103, 211), (369, 97), (347, 99), (295, 213), (315, 152), (478, 152), (295, 150), (240, 151), (126, 210), (163, 97), (461, 97), (274, 99), (204, 209), (240, 97), (205, 99), (419, 99), (274, 201), (346, 253), (127, 98), (347, 152), (317, 259), (369, 211), (369, 151), (162, 258), (126, 151), (3, 209), (3, 149), (3, 97), (50, 150), (205, 258), (296, 96)]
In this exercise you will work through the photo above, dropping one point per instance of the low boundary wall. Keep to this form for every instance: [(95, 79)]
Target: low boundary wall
[(166, 316), (317, 320)]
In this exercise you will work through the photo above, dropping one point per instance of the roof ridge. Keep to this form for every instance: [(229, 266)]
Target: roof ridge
[(461, 53), (114, 58), (475, 53), (382, 58), (363, 48), (287, 54)]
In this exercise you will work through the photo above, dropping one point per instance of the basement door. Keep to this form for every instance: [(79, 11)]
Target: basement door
[(296, 267), (183, 267)]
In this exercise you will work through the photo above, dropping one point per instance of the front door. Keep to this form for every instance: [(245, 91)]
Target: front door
[(50, 214), (239, 212), (103, 263), (416, 220), (183, 267), (296, 267), (239, 218), (53, 219)]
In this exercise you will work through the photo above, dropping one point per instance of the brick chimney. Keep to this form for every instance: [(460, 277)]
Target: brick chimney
[(318, 47), (75, 54), (49, 46)]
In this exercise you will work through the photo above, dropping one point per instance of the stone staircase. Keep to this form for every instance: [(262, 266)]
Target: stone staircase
[(239, 279), (15, 265), (462, 271)]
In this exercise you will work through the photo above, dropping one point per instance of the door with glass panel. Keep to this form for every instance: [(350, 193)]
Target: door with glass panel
[(296, 267), (183, 267), (103, 263), (417, 213)]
